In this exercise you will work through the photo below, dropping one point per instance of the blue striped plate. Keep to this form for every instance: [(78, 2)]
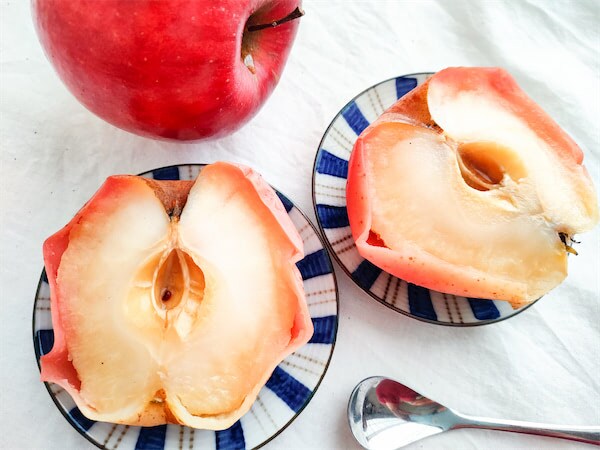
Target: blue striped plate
[(286, 394), (329, 197)]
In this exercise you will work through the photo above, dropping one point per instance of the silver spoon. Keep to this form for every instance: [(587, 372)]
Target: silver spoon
[(386, 415)]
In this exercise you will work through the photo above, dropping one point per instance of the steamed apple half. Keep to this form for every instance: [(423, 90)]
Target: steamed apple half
[(173, 301), (466, 186)]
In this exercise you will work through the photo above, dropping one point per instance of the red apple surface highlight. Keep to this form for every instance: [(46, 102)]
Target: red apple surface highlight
[(173, 301), (173, 69), (466, 186)]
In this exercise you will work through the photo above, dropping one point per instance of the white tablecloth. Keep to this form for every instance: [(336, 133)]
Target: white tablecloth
[(540, 366)]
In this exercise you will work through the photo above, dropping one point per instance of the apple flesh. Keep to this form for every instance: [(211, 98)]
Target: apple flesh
[(173, 301), (468, 187), (172, 69)]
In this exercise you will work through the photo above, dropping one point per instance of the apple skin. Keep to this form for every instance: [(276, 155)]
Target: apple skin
[(171, 69)]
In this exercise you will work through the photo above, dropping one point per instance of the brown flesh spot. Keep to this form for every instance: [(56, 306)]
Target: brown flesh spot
[(173, 194), (414, 107)]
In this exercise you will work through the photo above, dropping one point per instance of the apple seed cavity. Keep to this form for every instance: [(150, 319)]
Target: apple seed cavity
[(484, 165)]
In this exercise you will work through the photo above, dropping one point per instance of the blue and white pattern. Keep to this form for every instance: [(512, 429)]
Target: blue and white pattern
[(329, 196), (288, 391)]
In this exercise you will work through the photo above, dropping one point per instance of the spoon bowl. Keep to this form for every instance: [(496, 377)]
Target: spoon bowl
[(386, 415)]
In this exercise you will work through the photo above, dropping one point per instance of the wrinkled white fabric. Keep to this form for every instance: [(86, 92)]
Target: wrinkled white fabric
[(540, 366)]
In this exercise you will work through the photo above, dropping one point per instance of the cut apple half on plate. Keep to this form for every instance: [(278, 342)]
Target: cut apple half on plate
[(466, 186), (173, 301)]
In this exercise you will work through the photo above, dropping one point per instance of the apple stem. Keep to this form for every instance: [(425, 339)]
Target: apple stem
[(295, 14)]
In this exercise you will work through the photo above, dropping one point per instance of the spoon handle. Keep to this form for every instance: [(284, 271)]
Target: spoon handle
[(587, 434)]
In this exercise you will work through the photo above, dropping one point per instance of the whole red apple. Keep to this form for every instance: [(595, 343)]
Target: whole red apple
[(171, 69)]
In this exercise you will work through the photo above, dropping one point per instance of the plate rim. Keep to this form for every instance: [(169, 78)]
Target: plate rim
[(334, 253), (324, 243)]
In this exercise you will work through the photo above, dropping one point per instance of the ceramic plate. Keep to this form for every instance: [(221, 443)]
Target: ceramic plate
[(285, 395), (329, 197)]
